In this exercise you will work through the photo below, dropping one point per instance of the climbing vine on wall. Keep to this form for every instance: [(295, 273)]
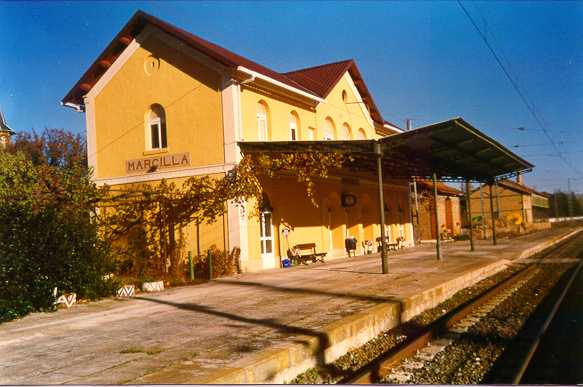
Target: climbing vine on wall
[(145, 222)]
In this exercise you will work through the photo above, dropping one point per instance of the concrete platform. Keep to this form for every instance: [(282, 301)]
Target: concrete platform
[(256, 328)]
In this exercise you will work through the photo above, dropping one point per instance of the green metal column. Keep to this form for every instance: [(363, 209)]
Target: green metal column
[(469, 213), (492, 215), (191, 265), (379, 153), (436, 213)]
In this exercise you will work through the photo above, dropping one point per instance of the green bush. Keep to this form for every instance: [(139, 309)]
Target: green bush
[(48, 237)]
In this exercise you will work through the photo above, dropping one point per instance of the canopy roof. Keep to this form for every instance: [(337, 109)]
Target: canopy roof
[(453, 149)]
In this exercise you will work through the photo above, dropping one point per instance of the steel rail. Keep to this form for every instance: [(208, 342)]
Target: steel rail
[(380, 367), (543, 329)]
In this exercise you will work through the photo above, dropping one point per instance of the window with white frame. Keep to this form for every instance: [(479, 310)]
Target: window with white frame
[(294, 125), (329, 129), (157, 127), (262, 128)]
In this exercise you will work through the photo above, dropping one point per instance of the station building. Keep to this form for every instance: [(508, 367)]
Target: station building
[(161, 103)]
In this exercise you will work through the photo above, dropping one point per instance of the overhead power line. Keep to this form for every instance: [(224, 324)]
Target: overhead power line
[(520, 93)]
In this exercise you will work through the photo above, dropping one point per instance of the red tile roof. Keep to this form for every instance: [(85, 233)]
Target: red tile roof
[(317, 81), (321, 79), (512, 185), (442, 188)]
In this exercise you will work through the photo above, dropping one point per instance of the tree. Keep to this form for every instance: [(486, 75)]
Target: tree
[(48, 233)]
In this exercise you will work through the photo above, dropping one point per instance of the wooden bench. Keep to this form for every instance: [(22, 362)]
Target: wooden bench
[(304, 252), (389, 245)]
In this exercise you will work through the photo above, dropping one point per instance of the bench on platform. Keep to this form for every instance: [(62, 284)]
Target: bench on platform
[(304, 252), (389, 245)]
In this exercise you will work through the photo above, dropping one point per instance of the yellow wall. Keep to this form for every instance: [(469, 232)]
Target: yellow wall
[(279, 111), (210, 233), (515, 207), (188, 91), (310, 224)]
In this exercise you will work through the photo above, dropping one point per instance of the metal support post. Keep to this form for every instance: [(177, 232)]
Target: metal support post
[(483, 219), (378, 152), (416, 199), (492, 215), (497, 200), (569, 198), (210, 262), (191, 265), (469, 213), (198, 239), (436, 213)]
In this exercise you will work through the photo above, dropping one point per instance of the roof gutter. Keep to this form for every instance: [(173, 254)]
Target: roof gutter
[(72, 105), (257, 75), (394, 128)]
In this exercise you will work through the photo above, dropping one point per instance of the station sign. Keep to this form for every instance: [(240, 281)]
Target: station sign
[(158, 163)]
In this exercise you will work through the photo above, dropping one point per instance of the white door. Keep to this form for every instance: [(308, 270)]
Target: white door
[(266, 235)]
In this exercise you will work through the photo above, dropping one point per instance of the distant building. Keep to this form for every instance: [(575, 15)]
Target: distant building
[(5, 132), (448, 205), (513, 201)]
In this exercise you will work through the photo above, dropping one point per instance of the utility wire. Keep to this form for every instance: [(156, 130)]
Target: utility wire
[(522, 96)]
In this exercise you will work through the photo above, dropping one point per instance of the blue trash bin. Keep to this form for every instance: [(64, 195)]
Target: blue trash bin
[(285, 262)]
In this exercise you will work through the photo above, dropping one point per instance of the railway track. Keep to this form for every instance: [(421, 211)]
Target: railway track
[(456, 330)]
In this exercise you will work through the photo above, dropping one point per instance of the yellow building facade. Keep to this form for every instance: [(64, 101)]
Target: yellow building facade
[(163, 104)]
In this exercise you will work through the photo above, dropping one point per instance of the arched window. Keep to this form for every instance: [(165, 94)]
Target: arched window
[(361, 134), (294, 126), (311, 133), (262, 121), (329, 129), (157, 127), (344, 96), (346, 132)]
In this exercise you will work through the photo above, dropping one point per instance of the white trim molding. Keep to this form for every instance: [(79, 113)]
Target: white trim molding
[(393, 128), (279, 84), (361, 103), (117, 64), (187, 172), (91, 135)]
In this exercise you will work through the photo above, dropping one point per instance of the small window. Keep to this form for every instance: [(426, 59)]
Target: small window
[(344, 96), (294, 125), (157, 127), (262, 119)]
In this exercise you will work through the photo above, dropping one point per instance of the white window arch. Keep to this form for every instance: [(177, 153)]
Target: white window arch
[(311, 135), (262, 121), (346, 132), (361, 134), (294, 126), (329, 131), (157, 137)]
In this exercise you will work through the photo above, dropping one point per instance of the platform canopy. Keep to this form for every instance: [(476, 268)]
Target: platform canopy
[(453, 149)]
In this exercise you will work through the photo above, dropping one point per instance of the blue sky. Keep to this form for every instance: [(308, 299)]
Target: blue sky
[(421, 60)]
